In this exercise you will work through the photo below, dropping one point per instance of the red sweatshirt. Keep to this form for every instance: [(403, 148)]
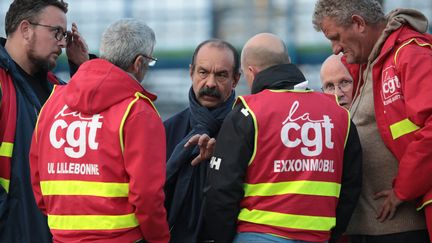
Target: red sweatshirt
[(98, 159)]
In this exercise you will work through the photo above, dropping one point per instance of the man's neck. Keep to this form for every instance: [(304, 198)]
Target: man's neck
[(17, 52)]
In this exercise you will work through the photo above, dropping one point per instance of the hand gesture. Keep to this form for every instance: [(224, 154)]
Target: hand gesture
[(206, 146)]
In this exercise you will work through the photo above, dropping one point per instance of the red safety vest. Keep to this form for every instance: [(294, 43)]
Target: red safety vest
[(294, 176), (89, 172)]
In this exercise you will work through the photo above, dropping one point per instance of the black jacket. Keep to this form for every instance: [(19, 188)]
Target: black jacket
[(235, 144)]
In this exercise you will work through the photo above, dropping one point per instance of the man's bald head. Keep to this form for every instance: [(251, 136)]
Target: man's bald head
[(336, 79), (264, 50), (333, 61), (260, 52)]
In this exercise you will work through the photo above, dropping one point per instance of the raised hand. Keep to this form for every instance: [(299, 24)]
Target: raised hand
[(76, 49)]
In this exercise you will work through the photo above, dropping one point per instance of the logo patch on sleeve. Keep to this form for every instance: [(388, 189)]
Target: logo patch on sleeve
[(215, 163)]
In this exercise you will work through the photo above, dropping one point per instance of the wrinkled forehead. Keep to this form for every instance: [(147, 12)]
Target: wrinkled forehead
[(215, 57), (329, 25)]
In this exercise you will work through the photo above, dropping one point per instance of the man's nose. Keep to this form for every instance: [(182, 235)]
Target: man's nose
[(63, 43), (336, 48), (338, 91), (211, 81)]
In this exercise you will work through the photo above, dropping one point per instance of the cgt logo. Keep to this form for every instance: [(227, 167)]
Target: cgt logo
[(390, 83), (310, 136), (78, 133)]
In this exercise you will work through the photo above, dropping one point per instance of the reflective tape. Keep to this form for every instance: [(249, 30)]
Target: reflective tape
[(87, 188), (92, 222), (291, 221), (402, 127), (318, 188), (6, 149), (5, 183)]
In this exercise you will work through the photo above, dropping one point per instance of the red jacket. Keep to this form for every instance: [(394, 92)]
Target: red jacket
[(402, 86), (98, 159), (293, 180)]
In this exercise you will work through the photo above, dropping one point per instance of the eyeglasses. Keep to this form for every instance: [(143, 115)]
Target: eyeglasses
[(153, 60), (343, 85), (59, 34)]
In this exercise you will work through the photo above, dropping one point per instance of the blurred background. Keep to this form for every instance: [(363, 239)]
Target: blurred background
[(182, 24)]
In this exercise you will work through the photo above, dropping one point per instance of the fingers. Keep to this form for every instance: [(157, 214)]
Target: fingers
[(392, 212), (193, 140), (389, 206), (74, 27), (388, 211), (211, 144), (76, 39), (381, 194), (203, 140), (197, 160), (383, 212), (206, 147), (198, 139), (385, 208), (209, 149)]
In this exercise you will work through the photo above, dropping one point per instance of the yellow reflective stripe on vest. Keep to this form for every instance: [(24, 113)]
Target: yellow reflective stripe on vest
[(5, 183), (255, 122), (138, 95), (88, 188), (403, 127), (287, 220), (6, 149), (318, 188), (92, 222)]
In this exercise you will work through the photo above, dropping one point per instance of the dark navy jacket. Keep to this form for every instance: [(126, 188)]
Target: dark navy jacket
[(176, 128), (184, 196), (21, 221)]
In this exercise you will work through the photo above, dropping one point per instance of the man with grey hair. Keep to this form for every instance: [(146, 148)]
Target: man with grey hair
[(389, 58), (270, 178), (98, 152)]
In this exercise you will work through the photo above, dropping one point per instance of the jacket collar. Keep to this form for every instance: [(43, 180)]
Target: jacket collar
[(283, 76)]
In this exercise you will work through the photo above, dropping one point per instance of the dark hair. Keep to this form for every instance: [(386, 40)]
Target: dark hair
[(220, 44), (20, 10)]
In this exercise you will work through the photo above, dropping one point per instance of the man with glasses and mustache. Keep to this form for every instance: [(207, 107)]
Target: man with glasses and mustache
[(36, 33), (336, 79), (215, 73)]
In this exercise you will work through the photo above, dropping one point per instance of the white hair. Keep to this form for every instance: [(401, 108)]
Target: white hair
[(124, 40)]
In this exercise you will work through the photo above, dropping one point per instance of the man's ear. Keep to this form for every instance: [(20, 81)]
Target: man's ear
[(24, 29), (138, 64), (136, 67), (236, 79), (254, 70), (359, 22), (191, 70)]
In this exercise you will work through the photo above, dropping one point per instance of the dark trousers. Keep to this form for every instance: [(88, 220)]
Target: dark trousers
[(418, 236)]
